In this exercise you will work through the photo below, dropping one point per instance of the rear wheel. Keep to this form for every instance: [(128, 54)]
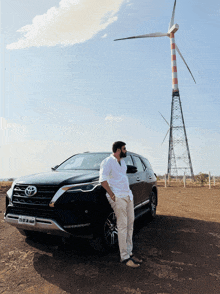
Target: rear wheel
[(153, 205)]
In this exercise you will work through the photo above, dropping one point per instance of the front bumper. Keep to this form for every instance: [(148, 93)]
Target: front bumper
[(50, 226), (41, 224)]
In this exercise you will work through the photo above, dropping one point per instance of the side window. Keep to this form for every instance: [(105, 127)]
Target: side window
[(144, 166), (147, 163), (138, 164), (128, 160)]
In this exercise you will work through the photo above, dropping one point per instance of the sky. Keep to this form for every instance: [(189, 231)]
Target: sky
[(67, 87)]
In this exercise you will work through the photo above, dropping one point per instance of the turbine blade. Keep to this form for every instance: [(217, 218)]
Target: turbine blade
[(145, 36), (165, 136), (177, 49), (173, 14), (164, 118)]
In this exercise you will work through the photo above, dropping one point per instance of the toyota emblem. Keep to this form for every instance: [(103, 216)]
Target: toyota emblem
[(30, 191)]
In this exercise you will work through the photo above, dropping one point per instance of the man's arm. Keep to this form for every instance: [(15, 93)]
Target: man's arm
[(104, 172), (105, 185)]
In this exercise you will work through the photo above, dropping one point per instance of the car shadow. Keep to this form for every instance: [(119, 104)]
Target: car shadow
[(181, 255)]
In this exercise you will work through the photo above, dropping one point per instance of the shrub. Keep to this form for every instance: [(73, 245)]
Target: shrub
[(202, 178)]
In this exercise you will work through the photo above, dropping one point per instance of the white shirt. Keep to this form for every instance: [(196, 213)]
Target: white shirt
[(115, 174)]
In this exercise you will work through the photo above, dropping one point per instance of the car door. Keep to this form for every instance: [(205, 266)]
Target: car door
[(131, 178), (150, 177), (139, 187)]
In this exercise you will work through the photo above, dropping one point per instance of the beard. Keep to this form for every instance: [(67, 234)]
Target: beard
[(122, 154)]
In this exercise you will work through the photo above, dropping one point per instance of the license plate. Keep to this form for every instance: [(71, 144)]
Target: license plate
[(27, 220)]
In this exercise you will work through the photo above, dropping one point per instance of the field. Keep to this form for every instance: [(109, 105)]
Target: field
[(180, 248)]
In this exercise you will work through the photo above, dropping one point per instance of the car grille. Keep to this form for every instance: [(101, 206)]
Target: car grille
[(42, 213), (41, 198)]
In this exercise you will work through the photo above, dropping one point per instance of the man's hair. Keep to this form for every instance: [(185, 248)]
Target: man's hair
[(117, 145)]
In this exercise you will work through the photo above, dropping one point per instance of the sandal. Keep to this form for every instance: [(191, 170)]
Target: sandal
[(131, 263), (136, 259)]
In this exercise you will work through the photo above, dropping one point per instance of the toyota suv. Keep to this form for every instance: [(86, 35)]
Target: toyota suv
[(69, 200)]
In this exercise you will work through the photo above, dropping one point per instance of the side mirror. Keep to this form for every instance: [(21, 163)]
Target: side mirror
[(131, 169), (54, 168)]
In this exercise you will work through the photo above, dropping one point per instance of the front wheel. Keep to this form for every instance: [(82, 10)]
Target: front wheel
[(106, 239), (110, 231)]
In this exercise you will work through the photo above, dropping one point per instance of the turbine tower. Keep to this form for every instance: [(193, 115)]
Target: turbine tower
[(179, 160)]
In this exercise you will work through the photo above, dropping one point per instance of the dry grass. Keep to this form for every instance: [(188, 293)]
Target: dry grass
[(189, 184), (5, 186)]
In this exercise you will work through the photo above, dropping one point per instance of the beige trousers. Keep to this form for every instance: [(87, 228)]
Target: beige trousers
[(124, 212)]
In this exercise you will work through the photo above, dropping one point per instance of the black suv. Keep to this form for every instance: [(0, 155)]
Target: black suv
[(69, 200)]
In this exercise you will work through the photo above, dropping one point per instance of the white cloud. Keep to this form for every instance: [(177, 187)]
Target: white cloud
[(11, 132), (112, 118), (74, 21), (3, 123)]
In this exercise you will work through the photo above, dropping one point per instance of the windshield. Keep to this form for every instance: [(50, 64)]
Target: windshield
[(85, 161)]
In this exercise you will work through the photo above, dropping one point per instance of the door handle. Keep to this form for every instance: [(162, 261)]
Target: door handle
[(138, 179)]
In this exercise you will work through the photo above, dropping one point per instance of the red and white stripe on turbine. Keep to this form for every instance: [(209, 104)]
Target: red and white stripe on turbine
[(173, 63)]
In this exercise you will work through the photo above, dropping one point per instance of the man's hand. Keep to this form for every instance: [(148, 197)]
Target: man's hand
[(105, 185), (113, 197)]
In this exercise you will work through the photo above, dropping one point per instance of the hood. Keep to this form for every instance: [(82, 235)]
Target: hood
[(60, 178)]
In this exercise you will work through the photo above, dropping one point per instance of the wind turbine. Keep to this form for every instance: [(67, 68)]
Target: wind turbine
[(177, 137)]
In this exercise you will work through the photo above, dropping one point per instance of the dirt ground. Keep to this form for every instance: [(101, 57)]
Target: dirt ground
[(180, 248)]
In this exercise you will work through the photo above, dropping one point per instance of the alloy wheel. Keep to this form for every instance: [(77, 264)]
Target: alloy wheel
[(110, 230)]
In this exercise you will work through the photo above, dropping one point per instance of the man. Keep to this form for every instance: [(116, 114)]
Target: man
[(114, 180)]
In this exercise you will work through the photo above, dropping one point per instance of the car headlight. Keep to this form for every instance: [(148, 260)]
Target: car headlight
[(86, 187), (83, 187)]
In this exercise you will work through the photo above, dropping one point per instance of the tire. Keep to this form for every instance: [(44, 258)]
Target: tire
[(110, 231), (153, 205), (107, 237)]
